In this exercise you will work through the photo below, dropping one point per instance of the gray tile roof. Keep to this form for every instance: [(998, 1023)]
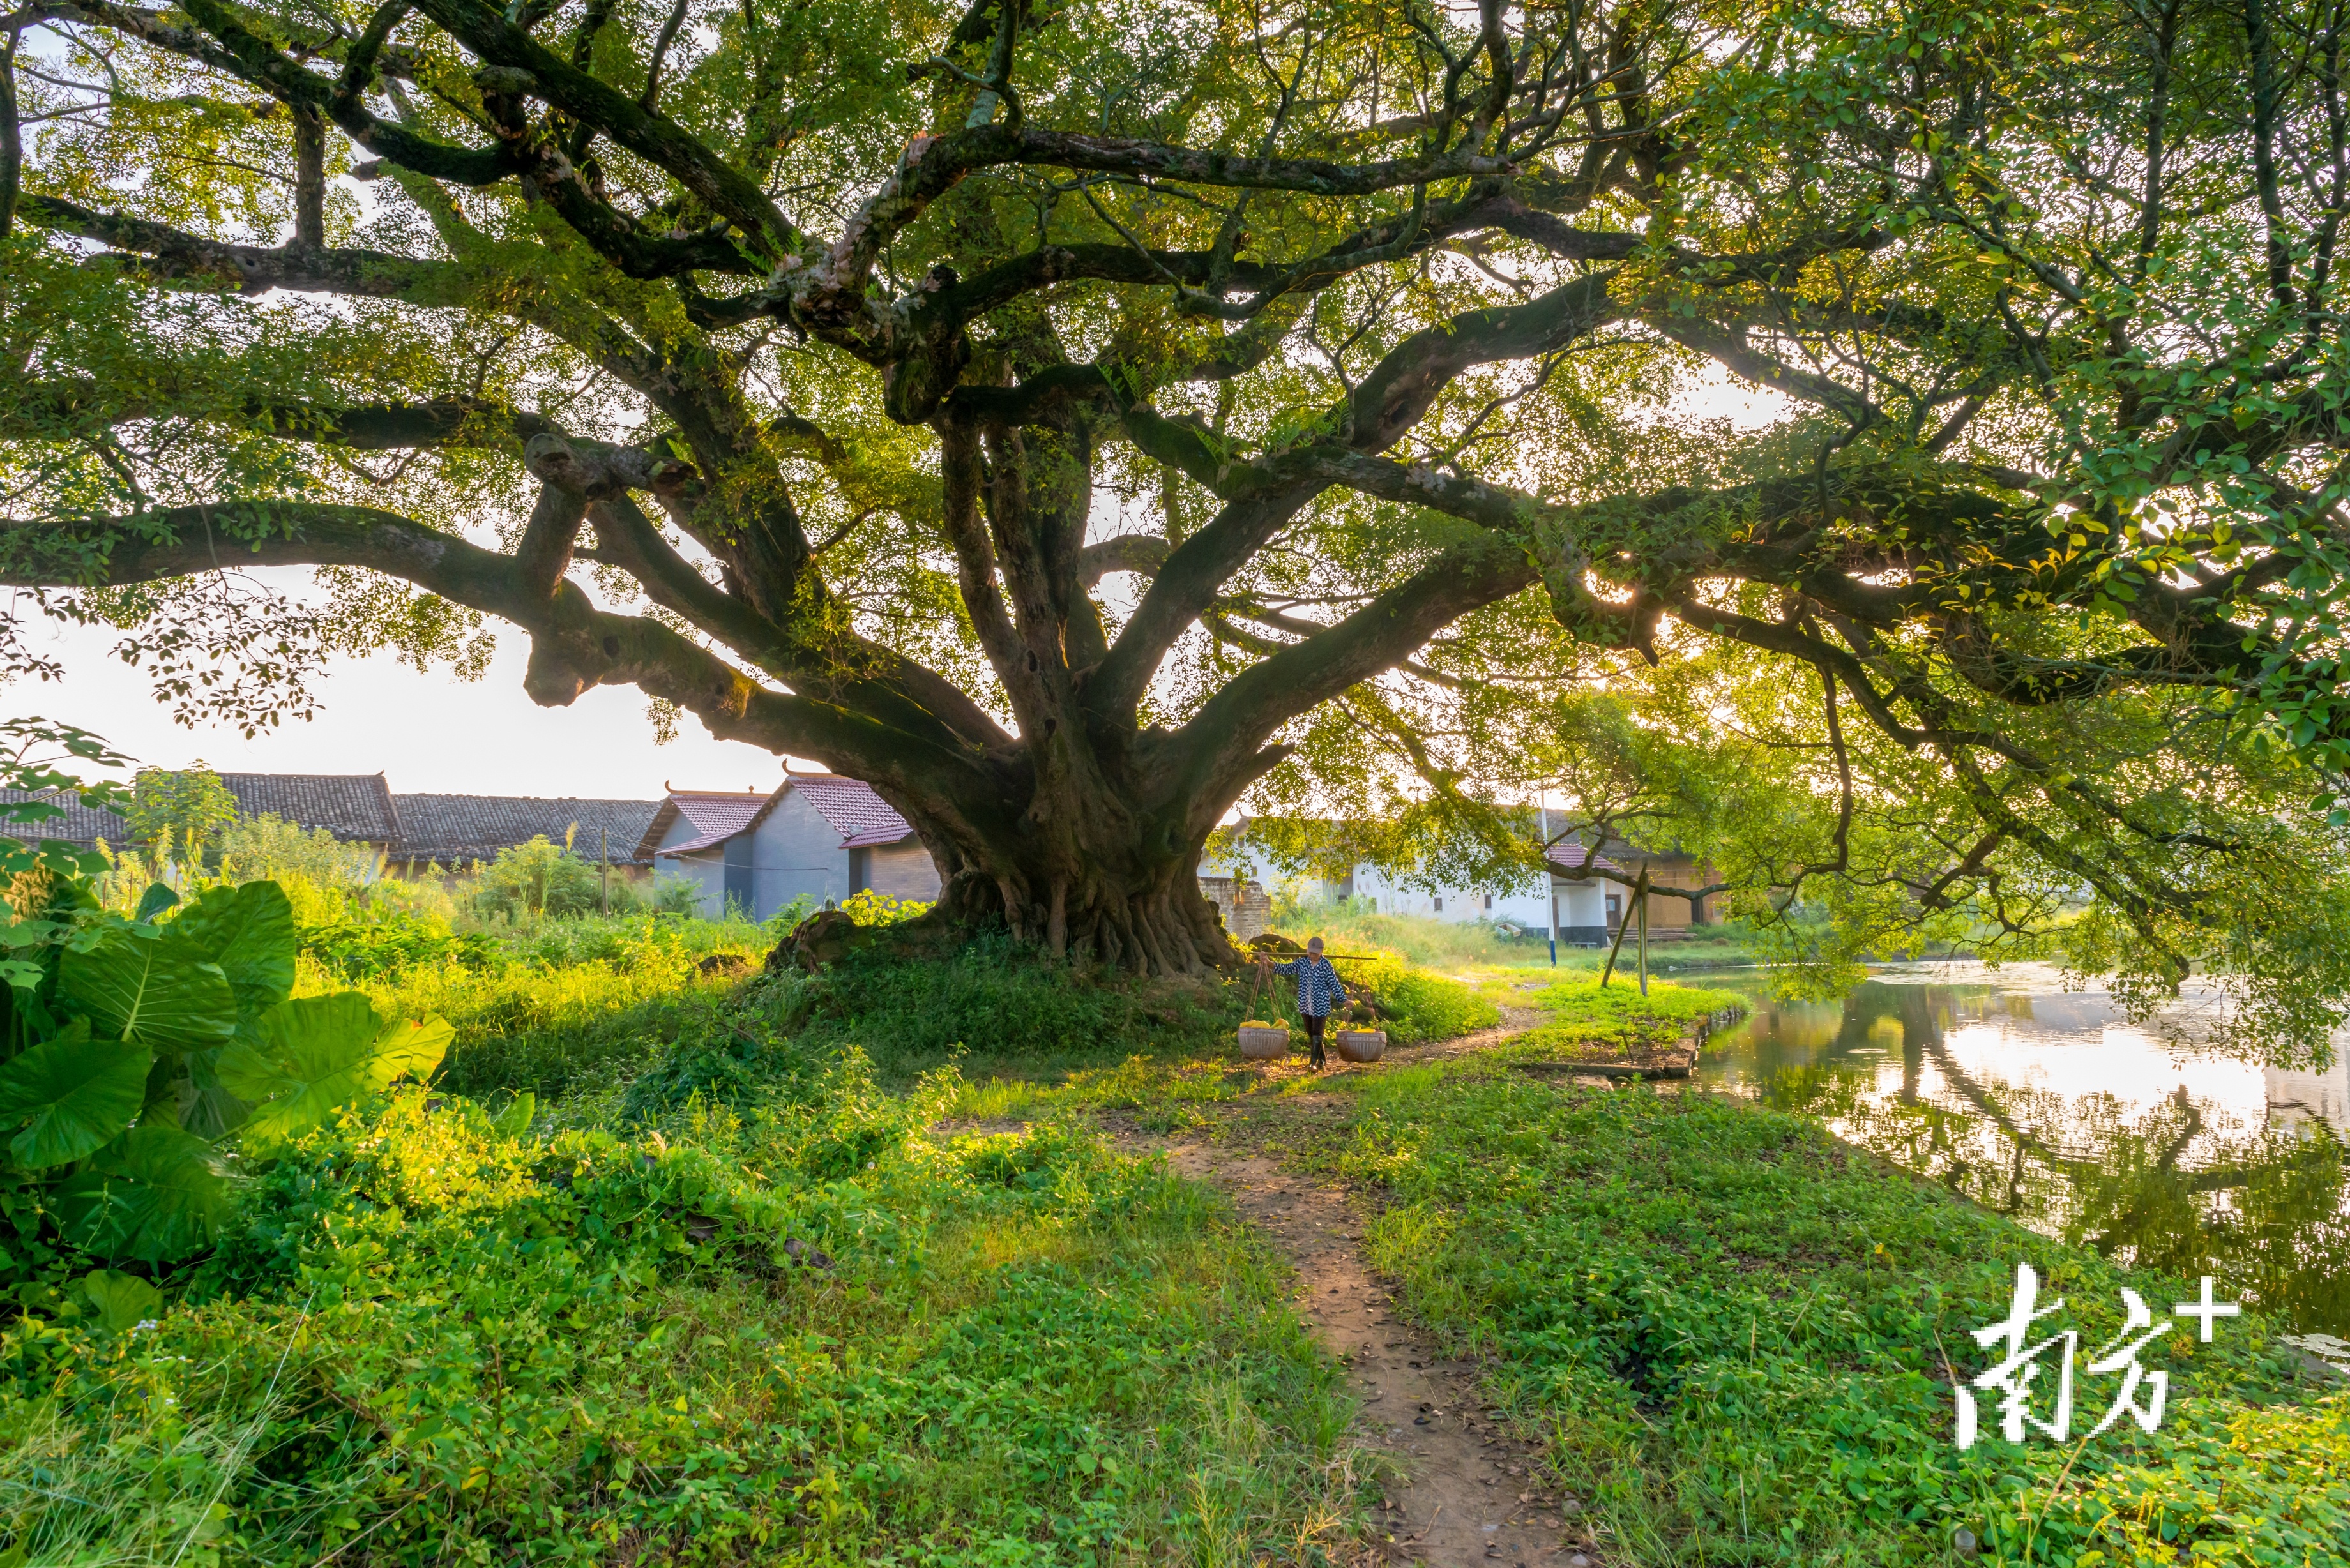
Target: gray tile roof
[(455, 828), (354, 807), (716, 816), (80, 825)]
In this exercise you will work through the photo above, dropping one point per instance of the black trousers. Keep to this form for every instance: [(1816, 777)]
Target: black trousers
[(1313, 1022)]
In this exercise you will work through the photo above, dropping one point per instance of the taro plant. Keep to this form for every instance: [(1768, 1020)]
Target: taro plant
[(130, 1049), (139, 1044)]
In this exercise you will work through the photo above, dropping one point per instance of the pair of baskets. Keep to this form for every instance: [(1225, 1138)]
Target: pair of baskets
[(1266, 1042)]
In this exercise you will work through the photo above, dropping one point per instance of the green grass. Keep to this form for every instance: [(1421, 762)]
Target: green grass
[(553, 1031), (434, 1334), (1583, 1020), (432, 1337), (426, 1341), (1730, 1330)]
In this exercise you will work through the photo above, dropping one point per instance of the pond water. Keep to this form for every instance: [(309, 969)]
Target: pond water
[(2050, 1106)]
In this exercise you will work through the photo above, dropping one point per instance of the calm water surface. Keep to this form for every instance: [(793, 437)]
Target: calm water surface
[(2050, 1106)]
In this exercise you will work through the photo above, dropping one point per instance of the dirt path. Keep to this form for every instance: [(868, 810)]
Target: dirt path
[(1467, 1491), (1470, 1493), (1465, 1495)]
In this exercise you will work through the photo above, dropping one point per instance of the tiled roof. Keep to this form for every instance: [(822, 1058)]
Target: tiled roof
[(856, 812), (455, 828), (848, 805), (351, 806), (80, 825), (714, 816), (1576, 861)]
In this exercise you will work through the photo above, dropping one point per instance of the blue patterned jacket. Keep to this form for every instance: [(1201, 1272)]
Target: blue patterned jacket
[(1318, 987)]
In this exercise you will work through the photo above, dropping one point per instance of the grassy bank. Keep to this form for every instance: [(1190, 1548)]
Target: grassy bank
[(1733, 1335), (811, 1334), (1590, 1021), (735, 1290)]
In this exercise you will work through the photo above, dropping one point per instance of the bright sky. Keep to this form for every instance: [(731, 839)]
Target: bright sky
[(427, 732)]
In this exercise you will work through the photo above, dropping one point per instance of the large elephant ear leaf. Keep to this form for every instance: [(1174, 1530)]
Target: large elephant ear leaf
[(315, 1054), (248, 930), (72, 1094), (155, 1196), (149, 991), (123, 1301)]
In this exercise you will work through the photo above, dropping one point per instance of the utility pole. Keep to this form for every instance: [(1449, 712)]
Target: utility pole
[(604, 864), (1550, 889)]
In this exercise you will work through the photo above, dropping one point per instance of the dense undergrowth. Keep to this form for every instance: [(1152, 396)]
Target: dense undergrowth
[(811, 1334), (1734, 1334), (729, 1289), (597, 1010), (669, 1264)]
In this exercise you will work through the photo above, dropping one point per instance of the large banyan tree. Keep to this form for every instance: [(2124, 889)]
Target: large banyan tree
[(1071, 417)]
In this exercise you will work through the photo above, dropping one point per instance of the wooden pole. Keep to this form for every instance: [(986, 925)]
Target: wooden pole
[(604, 864), (1640, 891), (1644, 929)]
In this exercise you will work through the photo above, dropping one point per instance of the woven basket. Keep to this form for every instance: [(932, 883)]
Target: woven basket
[(1261, 1044), (1362, 1045)]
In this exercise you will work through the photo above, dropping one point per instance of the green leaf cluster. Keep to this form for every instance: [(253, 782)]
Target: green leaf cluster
[(130, 1049)]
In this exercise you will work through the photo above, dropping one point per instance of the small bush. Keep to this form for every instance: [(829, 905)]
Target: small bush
[(1425, 1006), (1001, 1002), (540, 877), (868, 908), (269, 849), (725, 1065), (357, 950)]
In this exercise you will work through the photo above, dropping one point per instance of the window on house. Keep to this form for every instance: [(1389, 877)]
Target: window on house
[(1439, 905), (1489, 900)]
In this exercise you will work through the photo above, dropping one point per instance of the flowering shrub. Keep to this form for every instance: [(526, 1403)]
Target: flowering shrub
[(868, 908)]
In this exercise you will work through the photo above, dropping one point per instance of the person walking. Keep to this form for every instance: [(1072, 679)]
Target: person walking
[(1320, 993)]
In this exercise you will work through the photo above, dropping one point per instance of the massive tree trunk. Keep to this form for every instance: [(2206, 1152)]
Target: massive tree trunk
[(1125, 904)]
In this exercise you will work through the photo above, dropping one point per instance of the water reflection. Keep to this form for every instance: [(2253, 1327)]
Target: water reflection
[(2049, 1107)]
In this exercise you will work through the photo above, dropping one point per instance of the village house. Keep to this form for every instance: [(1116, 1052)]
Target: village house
[(1586, 905), (413, 833), (818, 834), (356, 808), (829, 837)]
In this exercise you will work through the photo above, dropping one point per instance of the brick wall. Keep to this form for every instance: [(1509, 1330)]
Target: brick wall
[(1247, 908)]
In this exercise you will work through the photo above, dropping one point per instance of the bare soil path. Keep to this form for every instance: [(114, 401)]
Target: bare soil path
[(1468, 1491)]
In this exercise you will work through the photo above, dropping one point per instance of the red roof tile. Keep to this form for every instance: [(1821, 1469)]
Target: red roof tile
[(715, 816), (856, 812), (1576, 861)]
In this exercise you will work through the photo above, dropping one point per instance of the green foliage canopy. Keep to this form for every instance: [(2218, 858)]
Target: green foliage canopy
[(1074, 419)]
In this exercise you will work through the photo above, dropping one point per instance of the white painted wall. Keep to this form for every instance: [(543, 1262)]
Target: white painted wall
[(1582, 906)]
